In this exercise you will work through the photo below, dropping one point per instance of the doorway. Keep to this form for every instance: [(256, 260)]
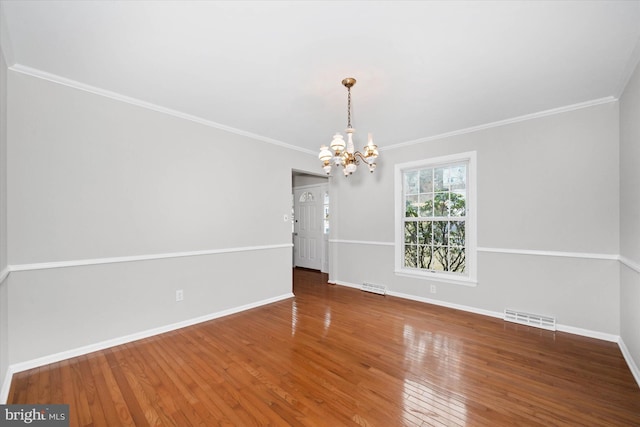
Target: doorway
[(310, 213)]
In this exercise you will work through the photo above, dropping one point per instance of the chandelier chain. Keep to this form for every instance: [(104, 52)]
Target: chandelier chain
[(349, 108)]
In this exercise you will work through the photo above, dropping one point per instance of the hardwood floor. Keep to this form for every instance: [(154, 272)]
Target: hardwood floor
[(335, 356)]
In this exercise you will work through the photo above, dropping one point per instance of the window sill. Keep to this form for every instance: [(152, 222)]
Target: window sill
[(437, 277)]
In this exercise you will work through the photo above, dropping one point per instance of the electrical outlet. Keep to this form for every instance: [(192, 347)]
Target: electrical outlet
[(286, 217), (179, 295), (433, 289)]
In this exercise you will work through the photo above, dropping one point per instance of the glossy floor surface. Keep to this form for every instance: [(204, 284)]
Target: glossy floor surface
[(335, 356)]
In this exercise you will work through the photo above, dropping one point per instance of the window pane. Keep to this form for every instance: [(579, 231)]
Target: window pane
[(425, 257), (424, 232), (426, 180), (458, 204), (440, 234), (440, 258), (326, 219), (410, 256), (426, 205), (411, 182), (439, 181), (457, 260), (456, 233), (325, 208), (411, 206), (440, 204), (306, 197), (410, 235), (458, 177)]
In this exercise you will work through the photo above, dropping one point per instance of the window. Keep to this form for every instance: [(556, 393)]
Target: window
[(307, 196), (435, 218), (293, 214), (325, 213)]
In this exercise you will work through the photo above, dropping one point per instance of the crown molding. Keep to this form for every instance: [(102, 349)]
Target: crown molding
[(505, 122), (140, 103), (635, 58)]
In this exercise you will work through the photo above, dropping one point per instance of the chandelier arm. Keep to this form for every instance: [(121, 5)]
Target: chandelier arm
[(362, 157)]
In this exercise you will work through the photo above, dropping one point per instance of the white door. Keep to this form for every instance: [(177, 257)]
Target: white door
[(307, 228)]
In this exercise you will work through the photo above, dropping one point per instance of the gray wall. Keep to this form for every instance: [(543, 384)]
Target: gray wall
[(93, 178), (630, 216), (4, 361), (547, 184), (102, 178), (302, 180)]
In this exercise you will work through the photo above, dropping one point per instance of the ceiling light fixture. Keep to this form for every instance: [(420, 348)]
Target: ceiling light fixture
[(344, 154)]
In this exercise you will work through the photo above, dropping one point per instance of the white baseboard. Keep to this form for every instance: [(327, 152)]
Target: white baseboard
[(6, 385), (587, 333), (430, 301), (347, 284), (448, 304), (630, 362), (561, 328), (52, 358)]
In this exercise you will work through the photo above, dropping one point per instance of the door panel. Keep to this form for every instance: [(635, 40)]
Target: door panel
[(308, 233)]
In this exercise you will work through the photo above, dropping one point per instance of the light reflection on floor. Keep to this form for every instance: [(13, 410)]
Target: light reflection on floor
[(428, 355), (327, 320), (294, 317)]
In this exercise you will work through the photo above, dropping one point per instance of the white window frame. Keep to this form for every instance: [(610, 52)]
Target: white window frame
[(468, 279)]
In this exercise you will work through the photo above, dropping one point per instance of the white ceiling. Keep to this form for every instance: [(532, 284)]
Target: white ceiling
[(273, 69)]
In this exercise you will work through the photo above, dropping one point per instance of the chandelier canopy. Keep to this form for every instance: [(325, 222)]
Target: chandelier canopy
[(344, 154)]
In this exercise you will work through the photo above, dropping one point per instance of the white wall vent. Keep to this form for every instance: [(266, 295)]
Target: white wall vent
[(529, 319), (376, 289)]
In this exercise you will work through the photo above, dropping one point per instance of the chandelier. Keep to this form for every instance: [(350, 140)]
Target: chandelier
[(344, 154)]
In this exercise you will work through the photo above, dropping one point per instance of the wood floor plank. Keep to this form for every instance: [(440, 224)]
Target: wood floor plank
[(68, 392), (133, 404), (19, 385), (92, 390), (143, 386), (114, 393), (55, 381), (336, 356), (32, 386), (178, 385), (81, 402)]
